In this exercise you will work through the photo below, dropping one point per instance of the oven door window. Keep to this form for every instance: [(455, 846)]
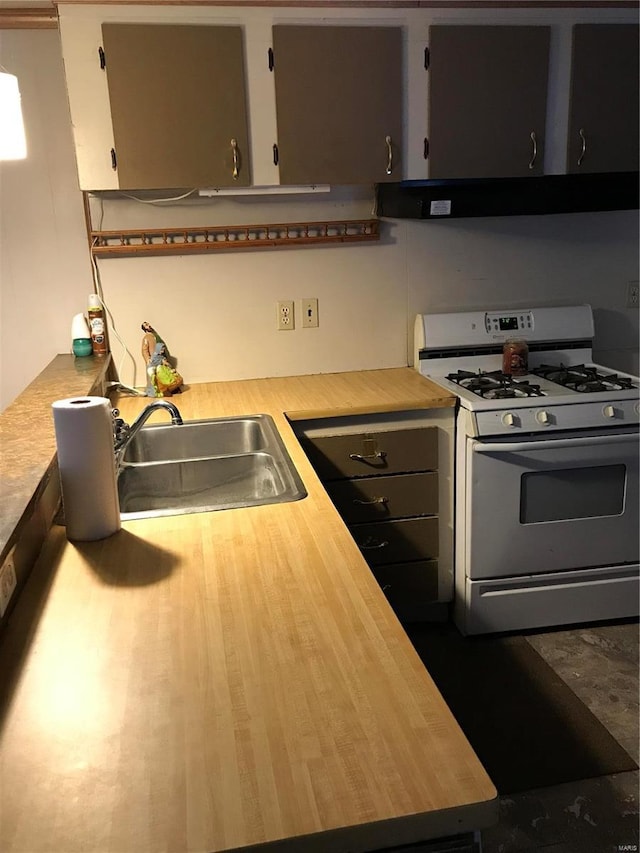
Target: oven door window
[(572, 493)]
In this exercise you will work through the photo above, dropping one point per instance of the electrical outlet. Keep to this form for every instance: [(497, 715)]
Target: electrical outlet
[(309, 313), (633, 297), (7, 582), (286, 319)]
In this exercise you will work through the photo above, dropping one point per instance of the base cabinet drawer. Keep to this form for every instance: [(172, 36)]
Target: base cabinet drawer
[(382, 498), (389, 478), (400, 541), (408, 584), (370, 453)]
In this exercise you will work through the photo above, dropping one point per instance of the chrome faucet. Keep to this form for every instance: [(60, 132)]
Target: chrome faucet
[(123, 433)]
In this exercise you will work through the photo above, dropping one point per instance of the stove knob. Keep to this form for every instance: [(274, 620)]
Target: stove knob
[(543, 417), (509, 419), (609, 412)]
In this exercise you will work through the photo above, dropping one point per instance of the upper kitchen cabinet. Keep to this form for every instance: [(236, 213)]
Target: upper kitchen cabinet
[(487, 100), (338, 103), (177, 101), (603, 112)]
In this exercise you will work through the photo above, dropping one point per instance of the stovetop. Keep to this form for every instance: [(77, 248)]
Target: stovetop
[(564, 389), (500, 405), (582, 378), (585, 378), (494, 384)]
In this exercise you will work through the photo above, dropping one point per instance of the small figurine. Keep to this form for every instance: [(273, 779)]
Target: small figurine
[(163, 379), (149, 341)]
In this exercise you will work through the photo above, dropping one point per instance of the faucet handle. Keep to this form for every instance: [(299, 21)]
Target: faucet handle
[(120, 428)]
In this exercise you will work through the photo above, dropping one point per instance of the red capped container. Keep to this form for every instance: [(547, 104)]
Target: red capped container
[(515, 357)]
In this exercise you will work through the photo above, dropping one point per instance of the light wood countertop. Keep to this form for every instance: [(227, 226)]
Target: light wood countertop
[(224, 680)]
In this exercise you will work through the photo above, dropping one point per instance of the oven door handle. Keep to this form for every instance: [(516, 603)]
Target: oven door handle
[(550, 443)]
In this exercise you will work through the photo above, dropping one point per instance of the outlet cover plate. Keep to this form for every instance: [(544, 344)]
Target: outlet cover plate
[(286, 318)]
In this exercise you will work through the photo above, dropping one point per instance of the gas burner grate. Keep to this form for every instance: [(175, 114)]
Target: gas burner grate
[(494, 385), (583, 378)]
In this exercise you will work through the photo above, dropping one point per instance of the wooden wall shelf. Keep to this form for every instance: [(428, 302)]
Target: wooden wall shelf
[(185, 241)]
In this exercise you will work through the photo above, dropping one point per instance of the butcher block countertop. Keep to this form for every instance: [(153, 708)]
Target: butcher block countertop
[(228, 680)]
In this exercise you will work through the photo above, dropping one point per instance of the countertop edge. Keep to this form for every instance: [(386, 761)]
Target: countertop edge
[(27, 461), (393, 833)]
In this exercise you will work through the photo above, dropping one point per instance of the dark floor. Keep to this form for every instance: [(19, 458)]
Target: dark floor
[(600, 664)]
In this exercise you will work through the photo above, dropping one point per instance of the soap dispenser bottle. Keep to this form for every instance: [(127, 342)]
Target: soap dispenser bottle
[(97, 325)]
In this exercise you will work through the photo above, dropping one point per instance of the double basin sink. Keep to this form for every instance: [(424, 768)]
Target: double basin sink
[(206, 465)]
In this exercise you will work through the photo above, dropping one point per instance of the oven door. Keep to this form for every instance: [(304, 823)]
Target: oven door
[(550, 503)]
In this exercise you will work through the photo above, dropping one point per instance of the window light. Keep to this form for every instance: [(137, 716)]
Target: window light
[(13, 145)]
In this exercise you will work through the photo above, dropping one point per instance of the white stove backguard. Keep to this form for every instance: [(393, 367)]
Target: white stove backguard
[(474, 329)]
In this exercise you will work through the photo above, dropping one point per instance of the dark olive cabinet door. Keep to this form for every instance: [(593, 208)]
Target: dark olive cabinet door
[(177, 96), (487, 100), (338, 103), (603, 112)]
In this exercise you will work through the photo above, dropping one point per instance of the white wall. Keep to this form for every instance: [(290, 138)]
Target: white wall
[(45, 274), (524, 261), (217, 313)]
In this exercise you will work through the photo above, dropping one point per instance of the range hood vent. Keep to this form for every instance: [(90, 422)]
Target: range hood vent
[(453, 199)]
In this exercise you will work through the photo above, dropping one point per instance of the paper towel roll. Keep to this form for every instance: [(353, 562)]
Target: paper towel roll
[(84, 438)]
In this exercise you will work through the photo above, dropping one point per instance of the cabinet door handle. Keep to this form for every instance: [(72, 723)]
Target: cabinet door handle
[(387, 139), (359, 457), (380, 500), (234, 149), (534, 149), (372, 544), (583, 150)]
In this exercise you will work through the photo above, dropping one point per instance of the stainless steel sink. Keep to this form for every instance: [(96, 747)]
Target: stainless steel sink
[(207, 465), (198, 439)]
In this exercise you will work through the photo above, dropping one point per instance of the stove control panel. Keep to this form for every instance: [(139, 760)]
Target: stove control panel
[(552, 418), (508, 323)]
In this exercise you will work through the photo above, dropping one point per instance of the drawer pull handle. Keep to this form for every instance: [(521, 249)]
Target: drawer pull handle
[(236, 160), (387, 139), (534, 149), (359, 457), (583, 149), (370, 503), (372, 544)]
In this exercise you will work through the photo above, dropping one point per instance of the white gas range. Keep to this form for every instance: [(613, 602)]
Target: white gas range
[(546, 471)]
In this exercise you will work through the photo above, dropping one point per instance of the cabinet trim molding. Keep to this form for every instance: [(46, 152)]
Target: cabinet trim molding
[(28, 18)]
